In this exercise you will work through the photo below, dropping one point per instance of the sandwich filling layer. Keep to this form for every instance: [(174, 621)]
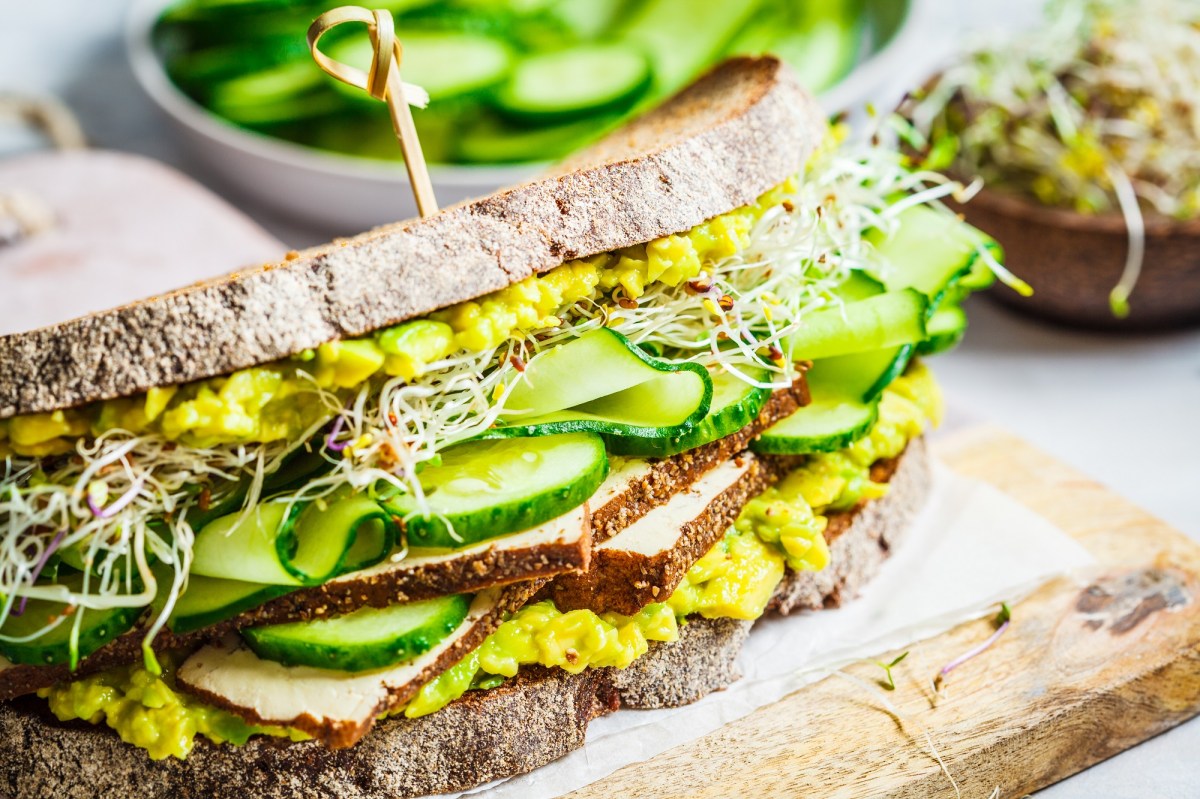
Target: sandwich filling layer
[(291, 474), (780, 529)]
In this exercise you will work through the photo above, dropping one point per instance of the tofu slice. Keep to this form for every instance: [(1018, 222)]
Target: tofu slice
[(646, 561), (635, 486), (335, 707)]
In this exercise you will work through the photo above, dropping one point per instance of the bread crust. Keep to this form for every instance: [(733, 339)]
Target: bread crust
[(720, 143), (529, 721)]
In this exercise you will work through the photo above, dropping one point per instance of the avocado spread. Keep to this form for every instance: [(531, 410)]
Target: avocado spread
[(146, 711), (735, 579), (278, 401)]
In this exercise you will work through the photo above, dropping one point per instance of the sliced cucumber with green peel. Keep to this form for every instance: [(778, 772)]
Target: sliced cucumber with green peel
[(280, 544), (369, 638), (600, 382), (735, 404), (884, 320), (823, 53), (580, 81), (929, 251), (858, 286), (862, 376), (821, 426), (54, 647), (945, 329), (485, 489), (495, 142), (208, 600), (275, 94), (446, 64), (845, 403), (683, 36)]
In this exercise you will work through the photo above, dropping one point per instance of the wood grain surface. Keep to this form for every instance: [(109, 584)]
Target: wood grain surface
[(1089, 667)]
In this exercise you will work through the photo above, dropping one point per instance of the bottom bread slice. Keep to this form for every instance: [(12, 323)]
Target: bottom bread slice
[(526, 722)]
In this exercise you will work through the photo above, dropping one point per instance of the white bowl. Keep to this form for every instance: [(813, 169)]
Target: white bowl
[(348, 193)]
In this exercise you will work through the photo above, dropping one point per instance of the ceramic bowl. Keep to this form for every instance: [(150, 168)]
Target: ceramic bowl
[(341, 192)]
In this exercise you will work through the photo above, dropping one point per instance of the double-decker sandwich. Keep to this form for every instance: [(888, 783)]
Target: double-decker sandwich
[(402, 514)]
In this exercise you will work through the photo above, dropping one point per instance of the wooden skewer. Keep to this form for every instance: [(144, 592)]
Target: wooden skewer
[(382, 82)]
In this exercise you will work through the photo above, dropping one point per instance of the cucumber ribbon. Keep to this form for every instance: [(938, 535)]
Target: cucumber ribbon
[(601, 382), (298, 545)]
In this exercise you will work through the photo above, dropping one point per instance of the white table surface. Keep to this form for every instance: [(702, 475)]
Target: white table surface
[(1125, 410)]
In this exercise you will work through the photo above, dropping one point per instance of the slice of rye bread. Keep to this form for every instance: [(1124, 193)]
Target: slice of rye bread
[(479, 567), (527, 722), (741, 129)]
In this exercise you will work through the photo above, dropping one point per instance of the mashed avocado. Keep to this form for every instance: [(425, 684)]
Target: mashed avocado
[(147, 712), (543, 635), (791, 514), (278, 401), (735, 579)]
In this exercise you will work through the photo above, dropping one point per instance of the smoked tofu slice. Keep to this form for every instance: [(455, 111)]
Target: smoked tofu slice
[(646, 561), (335, 707)]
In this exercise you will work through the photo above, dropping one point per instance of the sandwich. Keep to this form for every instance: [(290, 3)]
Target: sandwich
[(403, 513)]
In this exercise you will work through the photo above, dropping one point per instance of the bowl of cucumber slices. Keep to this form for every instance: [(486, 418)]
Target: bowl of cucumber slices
[(512, 84)]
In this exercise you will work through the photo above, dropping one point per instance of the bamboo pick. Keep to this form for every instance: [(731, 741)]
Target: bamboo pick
[(382, 81)]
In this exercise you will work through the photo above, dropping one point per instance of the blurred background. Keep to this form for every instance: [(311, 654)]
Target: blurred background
[(224, 91)]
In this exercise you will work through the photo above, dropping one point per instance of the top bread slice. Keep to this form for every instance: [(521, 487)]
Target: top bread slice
[(743, 128)]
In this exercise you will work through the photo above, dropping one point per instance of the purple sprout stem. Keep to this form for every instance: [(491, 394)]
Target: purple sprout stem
[(41, 564), (331, 443), (979, 650), (101, 512)]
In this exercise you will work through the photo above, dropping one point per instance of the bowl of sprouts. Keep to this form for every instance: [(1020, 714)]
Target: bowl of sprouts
[(1086, 134)]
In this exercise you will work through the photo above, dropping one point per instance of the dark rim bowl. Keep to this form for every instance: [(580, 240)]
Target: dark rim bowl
[(1073, 260)]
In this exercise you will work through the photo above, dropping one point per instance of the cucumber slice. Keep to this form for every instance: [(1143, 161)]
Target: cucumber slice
[(198, 69), (276, 94), (929, 252), (823, 53), (845, 403), (208, 600), (369, 638), (945, 329), (684, 36), (885, 320), (490, 142), (278, 544), (573, 83), (54, 647), (859, 286), (445, 64), (485, 489), (862, 376), (587, 19), (735, 404), (623, 391), (821, 426)]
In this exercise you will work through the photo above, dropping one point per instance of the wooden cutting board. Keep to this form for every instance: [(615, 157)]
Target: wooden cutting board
[(1082, 674), (121, 227)]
